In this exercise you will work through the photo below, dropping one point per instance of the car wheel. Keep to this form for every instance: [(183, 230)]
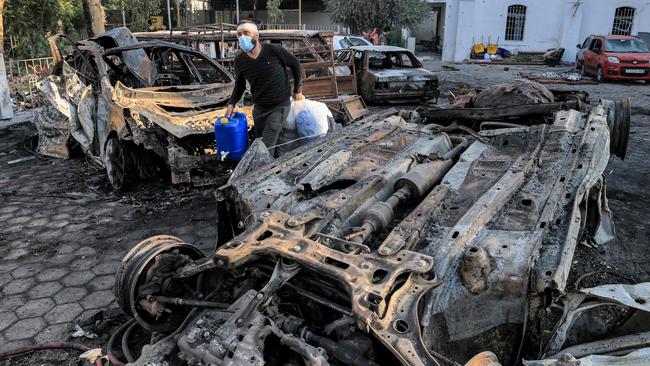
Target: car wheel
[(578, 66), (116, 163), (599, 75), (583, 69)]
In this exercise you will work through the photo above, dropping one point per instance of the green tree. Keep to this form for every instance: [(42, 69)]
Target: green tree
[(273, 10), (137, 12), (363, 14), (27, 22)]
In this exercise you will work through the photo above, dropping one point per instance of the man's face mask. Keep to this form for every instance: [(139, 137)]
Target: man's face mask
[(246, 43)]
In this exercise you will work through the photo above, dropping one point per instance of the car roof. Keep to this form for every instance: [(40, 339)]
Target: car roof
[(380, 48), (618, 37)]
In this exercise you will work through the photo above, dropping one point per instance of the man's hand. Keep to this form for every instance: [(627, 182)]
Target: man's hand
[(298, 96), (229, 110)]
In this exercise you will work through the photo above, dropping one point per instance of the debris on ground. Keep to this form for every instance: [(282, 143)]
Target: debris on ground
[(569, 78)]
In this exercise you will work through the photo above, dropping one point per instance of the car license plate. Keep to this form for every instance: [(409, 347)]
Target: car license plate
[(635, 71)]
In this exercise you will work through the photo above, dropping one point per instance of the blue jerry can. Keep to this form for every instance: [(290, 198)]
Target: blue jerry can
[(231, 136)]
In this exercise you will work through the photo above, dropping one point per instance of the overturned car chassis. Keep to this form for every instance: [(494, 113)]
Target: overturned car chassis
[(385, 243)]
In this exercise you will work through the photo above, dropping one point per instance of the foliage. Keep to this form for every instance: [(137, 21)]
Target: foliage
[(394, 38), (361, 15), (137, 12), (27, 21), (275, 15)]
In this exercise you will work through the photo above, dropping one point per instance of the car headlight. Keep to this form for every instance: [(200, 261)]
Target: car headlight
[(613, 59)]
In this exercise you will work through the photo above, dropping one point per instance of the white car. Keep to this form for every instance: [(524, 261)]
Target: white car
[(341, 42)]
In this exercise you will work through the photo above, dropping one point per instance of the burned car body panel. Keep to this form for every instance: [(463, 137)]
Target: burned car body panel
[(135, 59), (154, 97), (392, 74), (420, 244)]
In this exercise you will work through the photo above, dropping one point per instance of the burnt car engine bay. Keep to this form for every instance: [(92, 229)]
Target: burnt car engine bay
[(393, 241)]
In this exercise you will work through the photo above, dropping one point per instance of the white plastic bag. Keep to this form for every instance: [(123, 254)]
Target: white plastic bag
[(310, 118), (290, 122)]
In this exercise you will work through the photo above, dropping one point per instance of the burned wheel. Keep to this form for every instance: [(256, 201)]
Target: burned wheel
[(117, 163), (148, 270)]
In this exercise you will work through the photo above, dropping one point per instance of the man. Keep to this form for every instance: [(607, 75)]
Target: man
[(264, 66), (383, 36), (374, 36)]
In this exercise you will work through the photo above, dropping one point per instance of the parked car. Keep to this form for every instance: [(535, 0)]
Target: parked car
[(581, 51), (616, 58), (393, 75), (134, 106), (340, 42)]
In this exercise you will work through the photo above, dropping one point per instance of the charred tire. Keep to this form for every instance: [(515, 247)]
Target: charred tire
[(583, 69), (118, 163), (139, 266), (620, 130)]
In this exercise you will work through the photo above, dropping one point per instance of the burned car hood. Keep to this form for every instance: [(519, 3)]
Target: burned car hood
[(180, 110), (402, 75)]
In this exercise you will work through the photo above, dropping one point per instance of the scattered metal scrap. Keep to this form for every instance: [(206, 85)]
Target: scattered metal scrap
[(389, 242), (632, 347), (569, 78)]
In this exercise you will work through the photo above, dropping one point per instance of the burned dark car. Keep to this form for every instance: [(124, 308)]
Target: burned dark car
[(387, 74), (395, 241), (134, 107)]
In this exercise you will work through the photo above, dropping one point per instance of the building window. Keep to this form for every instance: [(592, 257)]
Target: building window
[(515, 23), (623, 19)]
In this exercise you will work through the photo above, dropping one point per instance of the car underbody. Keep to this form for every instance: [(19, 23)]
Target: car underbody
[(396, 240)]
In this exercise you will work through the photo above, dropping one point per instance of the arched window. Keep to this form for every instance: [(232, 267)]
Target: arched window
[(623, 19), (515, 23)]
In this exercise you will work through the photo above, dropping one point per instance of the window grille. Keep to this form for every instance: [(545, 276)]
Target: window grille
[(623, 19), (515, 23)]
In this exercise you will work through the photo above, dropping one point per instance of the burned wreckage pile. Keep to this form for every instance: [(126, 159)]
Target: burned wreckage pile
[(393, 241)]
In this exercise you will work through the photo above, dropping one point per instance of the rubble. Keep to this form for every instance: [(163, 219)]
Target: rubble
[(389, 242)]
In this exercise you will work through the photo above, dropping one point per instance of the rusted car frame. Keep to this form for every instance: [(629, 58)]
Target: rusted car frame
[(386, 243)]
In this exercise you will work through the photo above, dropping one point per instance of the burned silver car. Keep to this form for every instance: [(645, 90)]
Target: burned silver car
[(136, 105), (390, 242), (387, 74)]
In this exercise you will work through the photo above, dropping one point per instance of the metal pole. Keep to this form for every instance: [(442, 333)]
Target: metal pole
[(237, 4), (299, 11), (123, 15), (169, 18), (178, 14)]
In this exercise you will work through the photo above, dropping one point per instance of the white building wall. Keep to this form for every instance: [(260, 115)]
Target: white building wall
[(549, 24)]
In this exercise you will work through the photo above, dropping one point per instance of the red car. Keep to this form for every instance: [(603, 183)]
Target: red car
[(616, 58)]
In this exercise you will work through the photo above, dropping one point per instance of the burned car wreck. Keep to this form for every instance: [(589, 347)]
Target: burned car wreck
[(136, 108), (389, 242), (388, 74)]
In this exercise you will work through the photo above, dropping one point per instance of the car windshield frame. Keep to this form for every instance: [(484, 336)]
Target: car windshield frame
[(630, 46), (415, 63)]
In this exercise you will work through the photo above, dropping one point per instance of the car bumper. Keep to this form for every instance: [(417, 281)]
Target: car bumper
[(627, 72), (401, 96)]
